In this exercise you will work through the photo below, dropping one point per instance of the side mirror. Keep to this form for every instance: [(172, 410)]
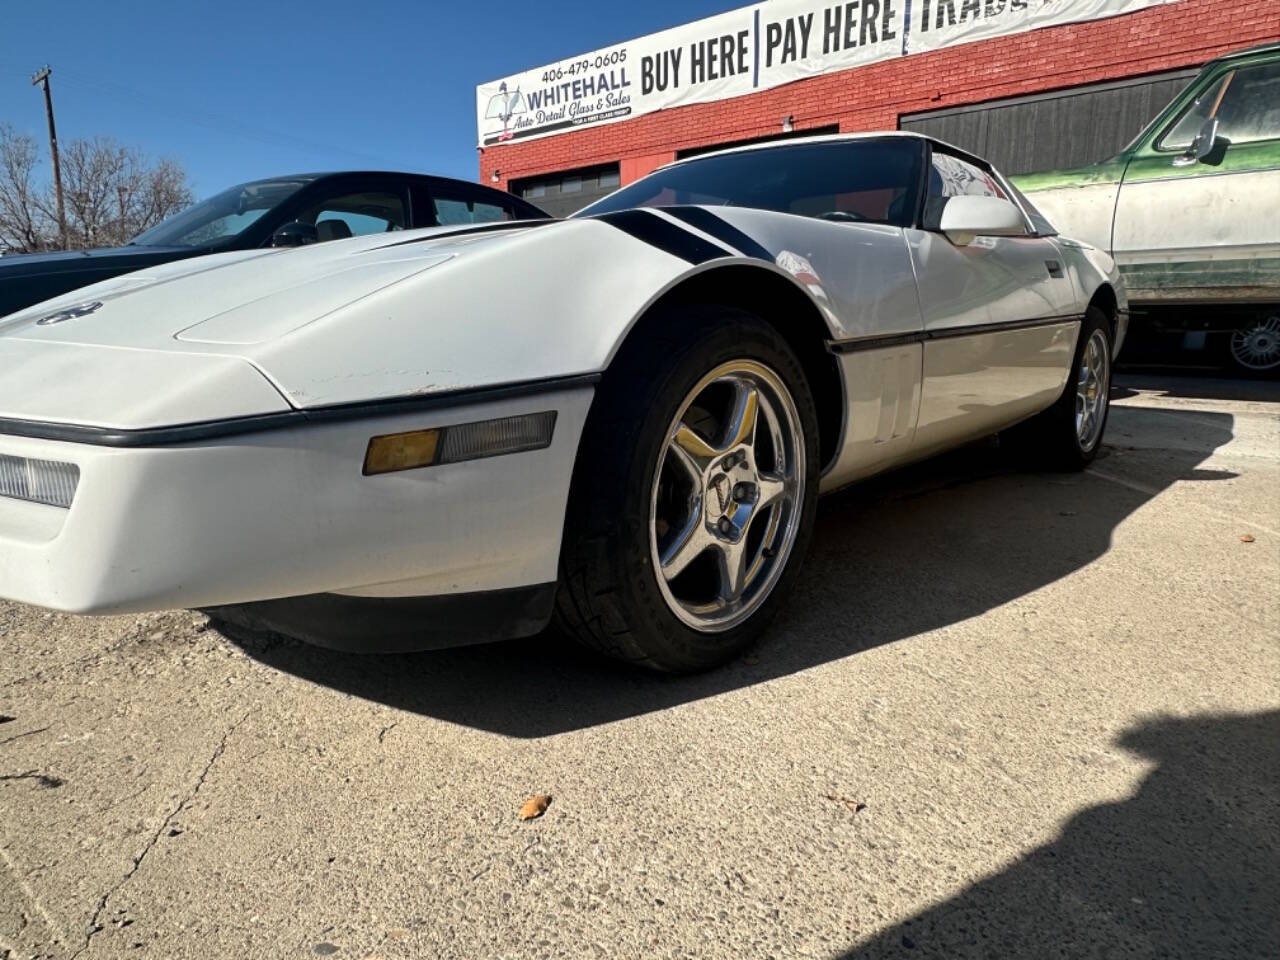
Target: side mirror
[(1201, 146), (295, 234), (964, 218)]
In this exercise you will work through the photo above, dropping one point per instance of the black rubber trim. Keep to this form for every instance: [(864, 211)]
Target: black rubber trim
[(652, 229), (875, 343), (1003, 325), (500, 226), (709, 223), (238, 426), (398, 624), (921, 336)]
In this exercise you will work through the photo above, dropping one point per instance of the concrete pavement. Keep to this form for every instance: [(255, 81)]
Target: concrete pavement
[(1006, 715)]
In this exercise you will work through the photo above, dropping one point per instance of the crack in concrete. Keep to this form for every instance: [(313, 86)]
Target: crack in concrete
[(79, 662), (95, 925), (19, 736), (46, 780), (382, 734), (58, 933), (136, 636)]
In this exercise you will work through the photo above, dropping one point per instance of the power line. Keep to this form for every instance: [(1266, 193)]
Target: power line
[(211, 121)]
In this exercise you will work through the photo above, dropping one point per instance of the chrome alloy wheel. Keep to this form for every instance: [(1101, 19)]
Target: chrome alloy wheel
[(727, 496), (1093, 384), (1257, 347)]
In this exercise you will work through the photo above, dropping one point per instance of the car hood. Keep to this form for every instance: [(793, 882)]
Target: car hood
[(242, 297), (216, 336)]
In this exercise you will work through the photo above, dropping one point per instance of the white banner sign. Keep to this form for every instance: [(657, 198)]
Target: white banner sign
[(754, 48), (944, 23)]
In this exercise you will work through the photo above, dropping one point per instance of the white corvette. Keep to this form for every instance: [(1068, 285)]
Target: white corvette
[(622, 419)]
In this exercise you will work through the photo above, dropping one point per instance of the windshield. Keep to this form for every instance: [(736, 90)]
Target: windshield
[(221, 217), (873, 181)]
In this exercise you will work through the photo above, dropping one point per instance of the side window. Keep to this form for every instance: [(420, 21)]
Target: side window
[(865, 184), (356, 214), (1189, 124), (952, 177), (458, 209), (1250, 108), (1246, 103)]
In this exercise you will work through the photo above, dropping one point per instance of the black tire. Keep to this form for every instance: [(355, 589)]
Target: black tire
[(609, 597), (1050, 439)]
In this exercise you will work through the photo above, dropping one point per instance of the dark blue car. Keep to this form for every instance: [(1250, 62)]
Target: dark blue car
[(283, 211)]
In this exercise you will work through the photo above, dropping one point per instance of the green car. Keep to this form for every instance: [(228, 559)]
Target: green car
[(1190, 210)]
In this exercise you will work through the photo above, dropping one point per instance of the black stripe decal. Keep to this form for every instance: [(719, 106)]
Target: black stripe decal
[(722, 230), (498, 227), (921, 336), (652, 229), (239, 426)]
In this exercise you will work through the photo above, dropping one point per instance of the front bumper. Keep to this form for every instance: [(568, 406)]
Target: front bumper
[(288, 513)]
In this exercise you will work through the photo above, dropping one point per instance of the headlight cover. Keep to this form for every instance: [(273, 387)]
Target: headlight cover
[(38, 481)]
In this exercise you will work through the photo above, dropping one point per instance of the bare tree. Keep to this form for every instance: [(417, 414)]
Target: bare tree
[(22, 226), (166, 192), (112, 193), (92, 171)]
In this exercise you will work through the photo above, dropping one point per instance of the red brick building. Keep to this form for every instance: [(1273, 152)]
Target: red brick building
[(1042, 99)]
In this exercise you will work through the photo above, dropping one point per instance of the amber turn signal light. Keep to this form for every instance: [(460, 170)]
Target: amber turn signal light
[(462, 441), (401, 451)]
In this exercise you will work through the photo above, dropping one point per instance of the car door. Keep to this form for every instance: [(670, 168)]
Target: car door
[(1191, 227), (1000, 315), (832, 215)]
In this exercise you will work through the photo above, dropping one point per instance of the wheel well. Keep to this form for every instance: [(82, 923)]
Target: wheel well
[(1104, 298), (781, 304)]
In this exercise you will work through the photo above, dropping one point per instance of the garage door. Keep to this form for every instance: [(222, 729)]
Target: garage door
[(1066, 128), (568, 191)]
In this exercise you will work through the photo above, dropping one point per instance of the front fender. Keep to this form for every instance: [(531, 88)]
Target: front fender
[(1091, 270), (544, 303)]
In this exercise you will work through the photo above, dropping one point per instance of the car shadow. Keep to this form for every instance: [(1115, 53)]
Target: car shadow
[(1196, 387), (913, 551), (1189, 866)]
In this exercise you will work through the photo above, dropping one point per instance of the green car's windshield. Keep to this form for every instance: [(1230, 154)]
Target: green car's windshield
[(222, 216)]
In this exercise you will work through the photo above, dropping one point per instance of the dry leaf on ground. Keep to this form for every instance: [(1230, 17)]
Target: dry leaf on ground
[(535, 806), (854, 805), (1246, 538)]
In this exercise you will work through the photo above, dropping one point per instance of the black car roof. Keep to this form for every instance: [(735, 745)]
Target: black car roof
[(328, 174)]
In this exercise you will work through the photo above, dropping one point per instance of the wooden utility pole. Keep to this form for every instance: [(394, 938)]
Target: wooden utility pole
[(42, 78)]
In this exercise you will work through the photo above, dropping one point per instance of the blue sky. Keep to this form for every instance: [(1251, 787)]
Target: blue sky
[(238, 90)]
